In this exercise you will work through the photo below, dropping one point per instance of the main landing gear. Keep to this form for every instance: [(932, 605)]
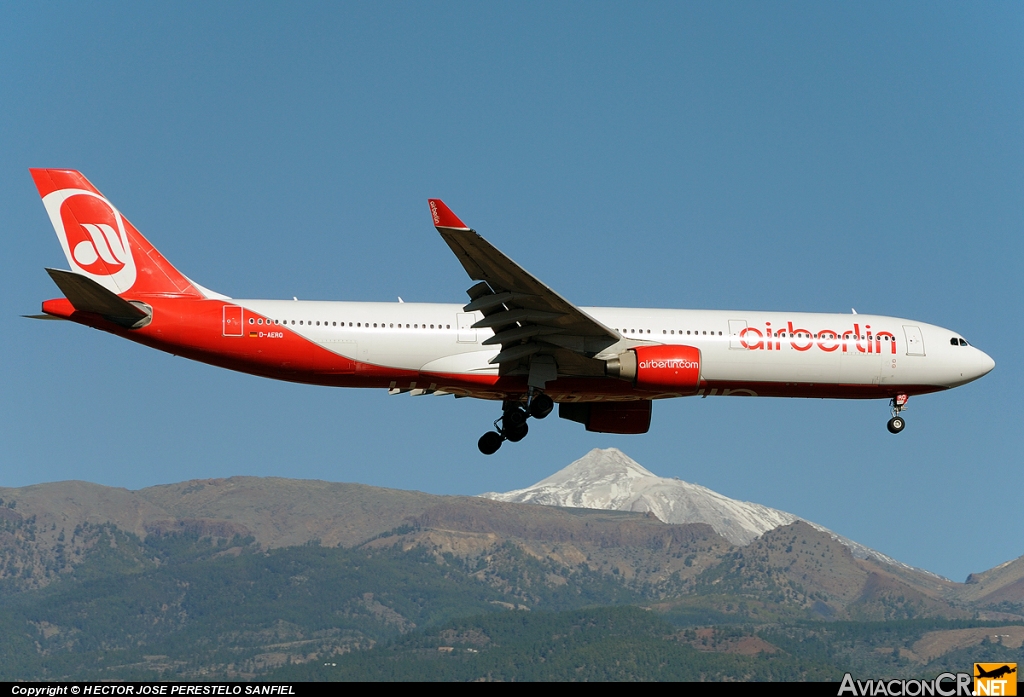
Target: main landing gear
[(512, 425), (898, 404)]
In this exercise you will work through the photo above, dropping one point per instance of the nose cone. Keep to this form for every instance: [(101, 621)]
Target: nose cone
[(974, 365), (970, 364), (985, 364)]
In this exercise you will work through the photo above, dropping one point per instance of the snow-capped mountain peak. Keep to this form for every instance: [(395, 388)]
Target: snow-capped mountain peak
[(611, 480)]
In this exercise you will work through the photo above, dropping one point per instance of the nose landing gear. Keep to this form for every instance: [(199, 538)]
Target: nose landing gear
[(512, 425), (898, 404)]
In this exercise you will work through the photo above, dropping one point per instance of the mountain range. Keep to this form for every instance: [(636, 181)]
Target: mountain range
[(264, 572), (604, 511)]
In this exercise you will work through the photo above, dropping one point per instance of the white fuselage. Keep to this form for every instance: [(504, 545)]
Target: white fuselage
[(740, 348)]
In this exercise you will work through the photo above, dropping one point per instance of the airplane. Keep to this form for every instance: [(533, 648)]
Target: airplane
[(516, 341), (994, 673)]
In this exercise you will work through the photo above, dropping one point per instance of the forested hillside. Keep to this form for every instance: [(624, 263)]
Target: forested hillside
[(110, 584)]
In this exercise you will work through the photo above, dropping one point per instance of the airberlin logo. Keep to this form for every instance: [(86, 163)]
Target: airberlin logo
[(103, 244), (96, 246), (433, 212), (670, 364), (859, 340), (93, 235)]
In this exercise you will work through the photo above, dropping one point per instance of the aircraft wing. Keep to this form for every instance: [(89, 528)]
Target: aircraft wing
[(529, 319)]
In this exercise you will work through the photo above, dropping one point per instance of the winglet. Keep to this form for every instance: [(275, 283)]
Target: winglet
[(443, 216)]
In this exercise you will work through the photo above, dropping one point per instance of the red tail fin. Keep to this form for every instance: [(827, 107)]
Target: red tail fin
[(101, 244)]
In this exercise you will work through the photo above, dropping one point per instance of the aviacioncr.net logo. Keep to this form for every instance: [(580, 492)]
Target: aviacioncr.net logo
[(93, 235), (945, 685)]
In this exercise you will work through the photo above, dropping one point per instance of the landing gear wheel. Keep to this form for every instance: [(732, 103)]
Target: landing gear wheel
[(541, 406), (489, 443), (513, 419), (517, 433), (896, 424), (512, 425)]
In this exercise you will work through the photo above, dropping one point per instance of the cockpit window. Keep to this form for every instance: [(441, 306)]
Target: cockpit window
[(954, 342), (963, 342)]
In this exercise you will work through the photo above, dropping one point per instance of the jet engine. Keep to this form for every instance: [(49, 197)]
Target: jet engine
[(666, 367)]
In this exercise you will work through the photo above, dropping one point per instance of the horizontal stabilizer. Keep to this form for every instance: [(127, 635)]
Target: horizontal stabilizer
[(43, 317), (86, 295)]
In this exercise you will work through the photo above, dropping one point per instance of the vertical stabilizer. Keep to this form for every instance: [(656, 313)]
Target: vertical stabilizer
[(101, 244)]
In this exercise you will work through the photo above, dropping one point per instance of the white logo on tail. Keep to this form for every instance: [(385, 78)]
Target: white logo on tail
[(103, 244), (92, 233)]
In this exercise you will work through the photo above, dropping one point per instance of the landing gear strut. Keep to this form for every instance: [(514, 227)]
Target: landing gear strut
[(898, 404), (512, 425)]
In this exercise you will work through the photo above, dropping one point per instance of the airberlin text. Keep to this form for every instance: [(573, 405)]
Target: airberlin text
[(856, 340), (946, 685), (670, 363)]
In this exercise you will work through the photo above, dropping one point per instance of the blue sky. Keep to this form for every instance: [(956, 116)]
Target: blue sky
[(802, 157)]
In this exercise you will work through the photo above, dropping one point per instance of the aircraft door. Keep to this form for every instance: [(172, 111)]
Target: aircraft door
[(467, 335), (232, 320), (735, 327), (915, 340)]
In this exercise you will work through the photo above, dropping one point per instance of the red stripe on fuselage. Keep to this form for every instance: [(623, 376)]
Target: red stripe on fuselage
[(195, 329)]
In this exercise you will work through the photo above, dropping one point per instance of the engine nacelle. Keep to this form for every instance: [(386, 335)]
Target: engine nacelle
[(666, 367)]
